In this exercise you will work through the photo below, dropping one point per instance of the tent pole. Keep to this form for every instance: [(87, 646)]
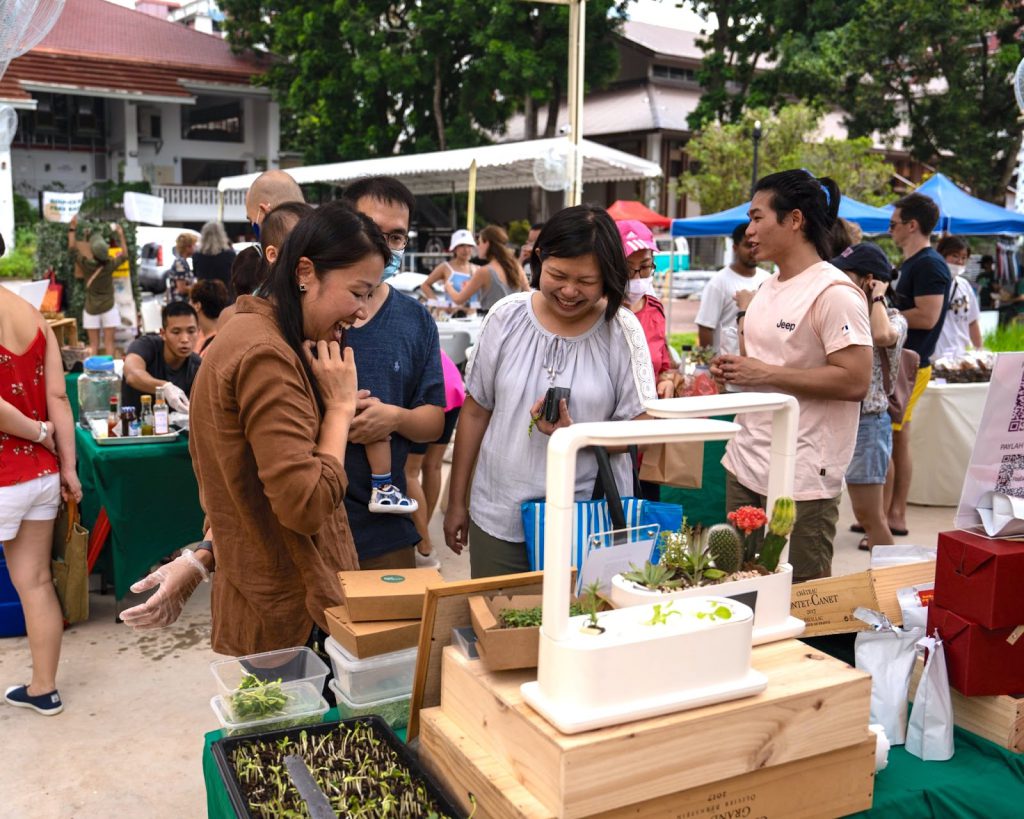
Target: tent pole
[(577, 60), (471, 203)]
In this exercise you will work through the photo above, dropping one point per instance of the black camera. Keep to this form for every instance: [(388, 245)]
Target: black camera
[(552, 402)]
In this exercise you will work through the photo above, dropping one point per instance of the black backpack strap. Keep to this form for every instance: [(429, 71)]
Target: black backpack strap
[(605, 487)]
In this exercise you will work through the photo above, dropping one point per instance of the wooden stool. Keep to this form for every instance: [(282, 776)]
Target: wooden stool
[(66, 330)]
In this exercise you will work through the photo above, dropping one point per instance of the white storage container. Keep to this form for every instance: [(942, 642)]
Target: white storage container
[(288, 665), (376, 678), (393, 710), (304, 706)]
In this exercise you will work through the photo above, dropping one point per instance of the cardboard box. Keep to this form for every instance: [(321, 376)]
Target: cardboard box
[(368, 639), (980, 660), (503, 649), (980, 578), (827, 605), (386, 594), (997, 719)]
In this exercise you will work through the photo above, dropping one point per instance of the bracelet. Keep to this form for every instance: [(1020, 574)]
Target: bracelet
[(877, 299), (740, 315), (42, 433)]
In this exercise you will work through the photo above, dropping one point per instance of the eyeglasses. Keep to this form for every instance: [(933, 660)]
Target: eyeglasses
[(643, 271), (396, 240)]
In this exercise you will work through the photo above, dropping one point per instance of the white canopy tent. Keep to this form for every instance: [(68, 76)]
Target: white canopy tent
[(498, 167)]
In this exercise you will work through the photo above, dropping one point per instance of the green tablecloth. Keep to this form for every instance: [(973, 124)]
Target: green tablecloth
[(151, 498), (218, 805)]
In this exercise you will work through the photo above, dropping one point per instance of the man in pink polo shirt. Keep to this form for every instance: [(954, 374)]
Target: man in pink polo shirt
[(806, 333)]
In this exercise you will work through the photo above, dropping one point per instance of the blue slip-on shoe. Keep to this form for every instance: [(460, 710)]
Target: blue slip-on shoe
[(49, 705)]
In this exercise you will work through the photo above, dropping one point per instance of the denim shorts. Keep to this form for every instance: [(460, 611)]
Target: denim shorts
[(874, 447)]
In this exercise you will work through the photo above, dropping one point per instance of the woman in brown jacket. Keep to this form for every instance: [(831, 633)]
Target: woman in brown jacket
[(270, 414)]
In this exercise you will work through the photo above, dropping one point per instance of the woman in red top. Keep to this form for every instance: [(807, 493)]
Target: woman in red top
[(37, 468), (638, 245)]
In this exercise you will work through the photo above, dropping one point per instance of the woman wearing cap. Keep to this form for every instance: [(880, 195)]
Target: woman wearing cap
[(462, 247), (870, 269), (496, 279), (638, 245)]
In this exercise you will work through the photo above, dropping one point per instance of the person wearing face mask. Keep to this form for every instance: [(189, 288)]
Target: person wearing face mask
[(961, 329), (638, 246), (269, 432)]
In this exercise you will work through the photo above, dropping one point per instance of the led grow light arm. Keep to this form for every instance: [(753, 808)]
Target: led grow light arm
[(563, 447), (785, 416)]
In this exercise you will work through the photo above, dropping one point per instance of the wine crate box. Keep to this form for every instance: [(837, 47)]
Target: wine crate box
[(833, 784), (998, 719), (827, 605), (386, 594), (813, 704), (368, 639)]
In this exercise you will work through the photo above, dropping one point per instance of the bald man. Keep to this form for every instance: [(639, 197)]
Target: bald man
[(270, 189)]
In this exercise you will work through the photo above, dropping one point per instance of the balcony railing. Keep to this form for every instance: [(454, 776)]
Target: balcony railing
[(197, 195)]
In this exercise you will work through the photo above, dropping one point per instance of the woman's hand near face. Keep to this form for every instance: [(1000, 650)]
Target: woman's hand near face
[(336, 374), (878, 288), (564, 419)]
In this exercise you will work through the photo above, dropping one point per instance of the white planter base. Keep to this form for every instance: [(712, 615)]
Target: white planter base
[(572, 718), (772, 620), (635, 670)]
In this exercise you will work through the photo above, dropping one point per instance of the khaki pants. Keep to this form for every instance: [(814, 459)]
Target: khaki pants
[(810, 544)]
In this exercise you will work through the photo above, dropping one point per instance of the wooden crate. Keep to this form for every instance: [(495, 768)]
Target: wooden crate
[(827, 605), (833, 784), (66, 331), (813, 704), (998, 719)]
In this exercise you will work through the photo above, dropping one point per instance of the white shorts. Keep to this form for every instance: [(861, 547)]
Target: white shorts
[(37, 499), (110, 319)]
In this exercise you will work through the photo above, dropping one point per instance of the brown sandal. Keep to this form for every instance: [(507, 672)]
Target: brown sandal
[(863, 545)]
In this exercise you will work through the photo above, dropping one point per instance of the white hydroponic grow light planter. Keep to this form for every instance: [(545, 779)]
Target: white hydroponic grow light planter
[(633, 669)]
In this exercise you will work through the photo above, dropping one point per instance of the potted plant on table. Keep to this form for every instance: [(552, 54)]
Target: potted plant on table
[(725, 563)]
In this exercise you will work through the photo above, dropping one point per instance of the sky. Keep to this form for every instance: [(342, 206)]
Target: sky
[(664, 13)]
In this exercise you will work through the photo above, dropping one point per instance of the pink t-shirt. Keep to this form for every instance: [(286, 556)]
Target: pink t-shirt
[(798, 323), (454, 389)]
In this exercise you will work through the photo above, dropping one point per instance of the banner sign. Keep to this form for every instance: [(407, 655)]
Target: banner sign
[(61, 206)]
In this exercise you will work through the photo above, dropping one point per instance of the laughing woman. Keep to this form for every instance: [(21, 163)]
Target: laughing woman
[(572, 331), (270, 417)]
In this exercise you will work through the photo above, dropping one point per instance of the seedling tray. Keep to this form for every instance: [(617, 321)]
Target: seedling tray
[(223, 748)]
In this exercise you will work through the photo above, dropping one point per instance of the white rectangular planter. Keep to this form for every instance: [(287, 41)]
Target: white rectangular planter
[(588, 681), (772, 620)]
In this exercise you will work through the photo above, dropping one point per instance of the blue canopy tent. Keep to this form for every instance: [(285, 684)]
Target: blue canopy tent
[(870, 219), (962, 213)]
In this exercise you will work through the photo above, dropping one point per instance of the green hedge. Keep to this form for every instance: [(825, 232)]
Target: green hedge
[(1007, 339)]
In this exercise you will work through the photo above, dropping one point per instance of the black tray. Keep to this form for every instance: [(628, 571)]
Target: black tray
[(222, 749)]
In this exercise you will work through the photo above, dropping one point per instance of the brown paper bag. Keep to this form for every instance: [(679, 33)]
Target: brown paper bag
[(70, 564), (675, 464)]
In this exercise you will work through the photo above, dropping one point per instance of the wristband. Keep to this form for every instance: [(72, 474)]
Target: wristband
[(740, 315), (877, 299), (197, 563), (42, 433)]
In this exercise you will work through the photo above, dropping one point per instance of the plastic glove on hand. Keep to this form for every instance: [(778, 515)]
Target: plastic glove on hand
[(177, 580), (175, 397)]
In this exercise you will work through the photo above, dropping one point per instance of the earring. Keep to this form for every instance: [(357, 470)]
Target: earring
[(302, 288)]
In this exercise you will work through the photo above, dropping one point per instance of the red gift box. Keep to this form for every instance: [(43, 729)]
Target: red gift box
[(980, 579), (981, 661)]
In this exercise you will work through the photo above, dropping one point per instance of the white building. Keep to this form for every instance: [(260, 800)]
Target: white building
[(115, 94)]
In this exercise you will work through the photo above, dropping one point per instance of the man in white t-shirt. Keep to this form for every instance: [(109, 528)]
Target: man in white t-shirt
[(718, 308), (805, 333)]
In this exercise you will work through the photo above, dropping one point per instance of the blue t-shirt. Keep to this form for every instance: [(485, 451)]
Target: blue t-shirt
[(398, 358), (924, 274)]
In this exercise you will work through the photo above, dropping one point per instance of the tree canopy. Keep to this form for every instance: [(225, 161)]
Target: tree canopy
[(365, 78), (940, 70), (723, 154)]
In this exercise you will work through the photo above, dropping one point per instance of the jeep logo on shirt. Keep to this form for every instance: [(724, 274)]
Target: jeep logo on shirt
[(786, 325)]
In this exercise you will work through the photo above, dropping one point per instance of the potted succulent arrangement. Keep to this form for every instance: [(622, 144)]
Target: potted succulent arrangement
[(357, 767), (726, 563)]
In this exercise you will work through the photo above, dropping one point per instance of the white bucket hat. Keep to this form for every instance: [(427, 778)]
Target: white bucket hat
[(461, 237)]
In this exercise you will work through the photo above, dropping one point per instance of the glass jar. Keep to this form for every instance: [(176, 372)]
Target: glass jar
[(97, 383)]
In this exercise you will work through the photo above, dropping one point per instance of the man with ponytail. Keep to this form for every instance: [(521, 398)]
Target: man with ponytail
[(806, 332)]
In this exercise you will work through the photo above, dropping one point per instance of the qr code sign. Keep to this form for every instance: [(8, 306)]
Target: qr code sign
[(1017, 416), (1010, 480)]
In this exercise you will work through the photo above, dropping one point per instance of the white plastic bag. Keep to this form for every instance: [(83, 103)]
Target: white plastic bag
[(887, 653), (900, 554), (914, 602), (930, 732)]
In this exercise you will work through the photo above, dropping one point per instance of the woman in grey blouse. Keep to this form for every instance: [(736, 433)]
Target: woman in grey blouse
[(571, 332)]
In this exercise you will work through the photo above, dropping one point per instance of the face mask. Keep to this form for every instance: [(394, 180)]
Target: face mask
[(394, 265), (638, 288), (956, 270), (255, 230)]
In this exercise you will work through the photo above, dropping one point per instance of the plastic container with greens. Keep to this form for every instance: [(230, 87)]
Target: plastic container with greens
[(285, 706)]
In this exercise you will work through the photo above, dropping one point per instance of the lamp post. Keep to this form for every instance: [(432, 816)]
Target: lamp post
[(757, 142)]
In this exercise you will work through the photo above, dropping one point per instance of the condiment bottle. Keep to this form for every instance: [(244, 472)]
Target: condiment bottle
[(113, 421), (161, 415), (146, 415)]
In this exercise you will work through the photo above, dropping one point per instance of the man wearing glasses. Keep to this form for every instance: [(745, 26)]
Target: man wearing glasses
[(398, 357), (718, 308), (922, 294)]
